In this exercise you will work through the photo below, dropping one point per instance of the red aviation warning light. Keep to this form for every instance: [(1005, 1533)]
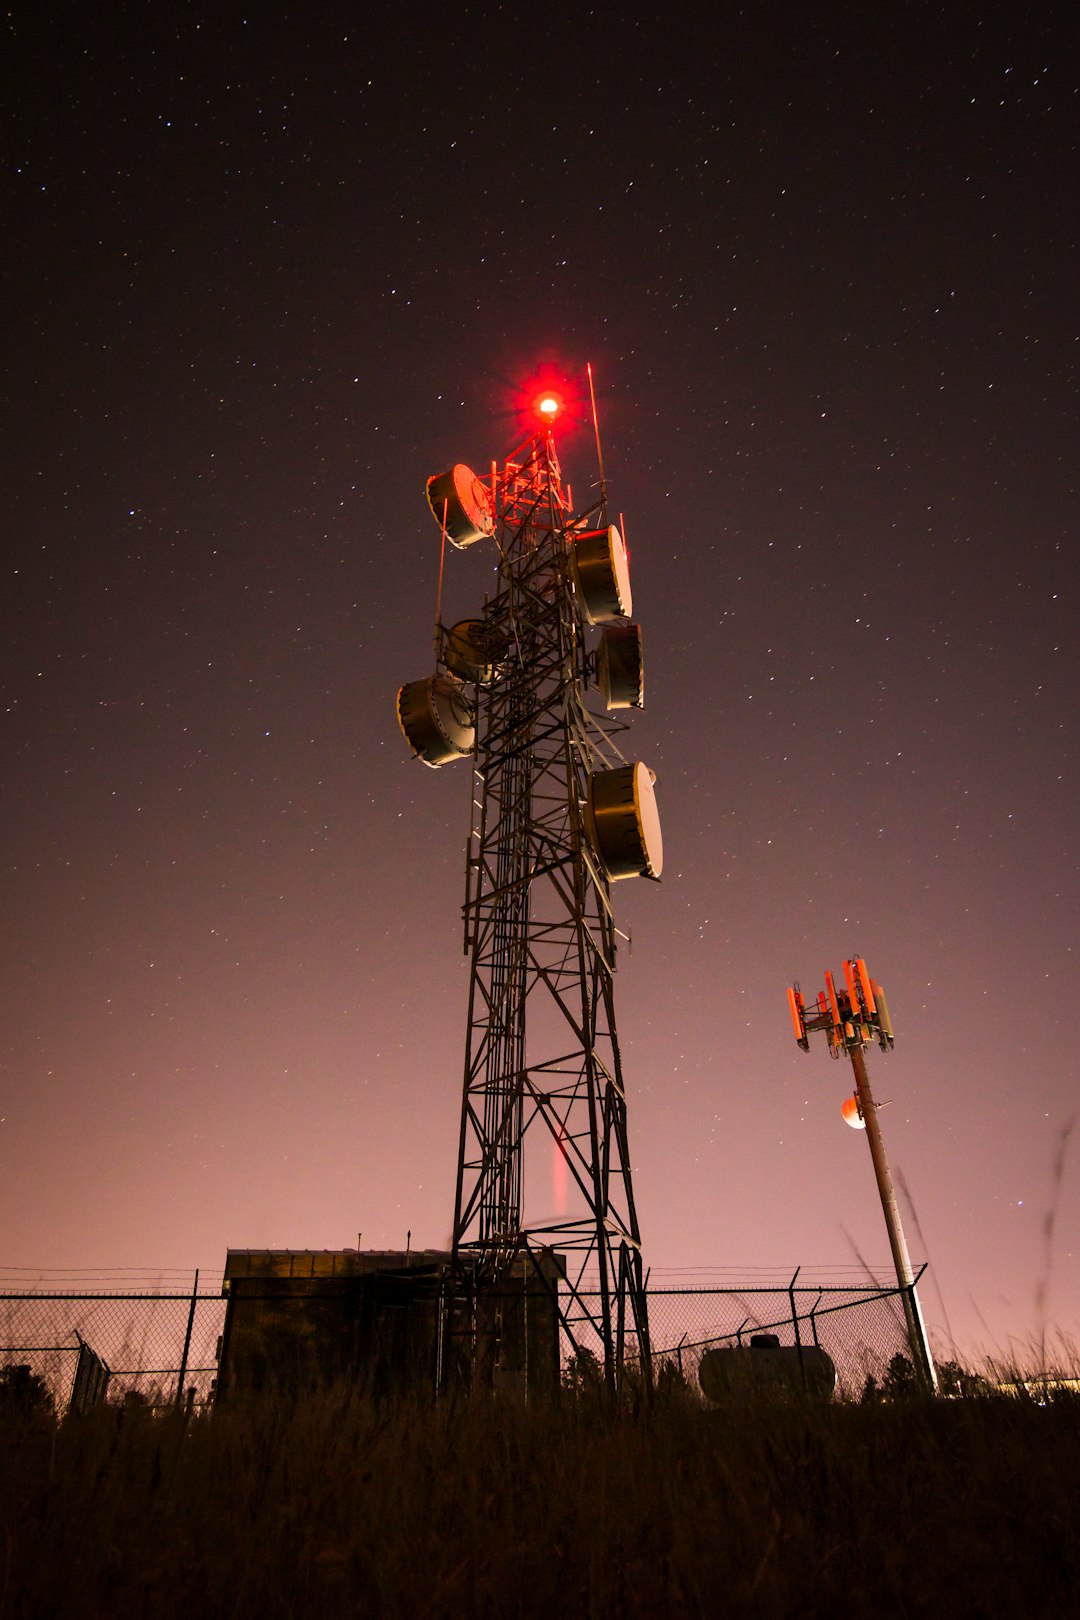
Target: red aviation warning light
[(549, 398)]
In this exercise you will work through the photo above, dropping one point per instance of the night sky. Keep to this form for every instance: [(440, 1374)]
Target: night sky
[(264, 272)]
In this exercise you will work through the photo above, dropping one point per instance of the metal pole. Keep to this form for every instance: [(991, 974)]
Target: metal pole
[(187, 1341), (795, 1323), (921, 1357)]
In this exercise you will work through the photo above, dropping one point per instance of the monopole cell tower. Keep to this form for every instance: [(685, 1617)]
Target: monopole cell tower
[(533, 697), (852, 1019)]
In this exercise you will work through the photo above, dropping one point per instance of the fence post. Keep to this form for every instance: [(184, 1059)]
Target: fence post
[(925, 1369), (795, 1322), (187, 1340)]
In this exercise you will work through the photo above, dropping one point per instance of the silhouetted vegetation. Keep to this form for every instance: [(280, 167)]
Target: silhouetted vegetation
[(339, 1506), (957, 1380), (23, 1393), (900, 1383)]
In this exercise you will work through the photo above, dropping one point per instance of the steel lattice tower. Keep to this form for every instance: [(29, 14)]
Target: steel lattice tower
[(552, 806)]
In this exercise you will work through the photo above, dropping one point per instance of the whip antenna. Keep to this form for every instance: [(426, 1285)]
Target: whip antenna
[(596, 430)]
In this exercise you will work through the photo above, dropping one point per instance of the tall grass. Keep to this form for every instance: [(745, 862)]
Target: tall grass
[(337, 1506)]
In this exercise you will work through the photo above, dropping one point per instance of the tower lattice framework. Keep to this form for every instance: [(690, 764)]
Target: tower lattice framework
[(544, 1179), (542, 1056)]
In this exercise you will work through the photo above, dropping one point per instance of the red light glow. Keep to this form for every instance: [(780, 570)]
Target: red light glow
[(549, 399)]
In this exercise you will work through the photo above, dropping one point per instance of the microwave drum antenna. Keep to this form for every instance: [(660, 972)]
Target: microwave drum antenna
[(620, 673), (437, 718), (459, 499), (601, 574)]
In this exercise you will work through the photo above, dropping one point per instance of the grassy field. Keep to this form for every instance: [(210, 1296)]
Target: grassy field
[(338, 1506)]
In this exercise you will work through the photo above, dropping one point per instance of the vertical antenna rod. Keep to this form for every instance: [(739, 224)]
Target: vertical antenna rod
[(596, 431)]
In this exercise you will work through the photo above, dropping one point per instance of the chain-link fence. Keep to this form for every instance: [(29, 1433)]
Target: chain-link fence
[(159, 1349), (862, 1330), (152, 1349)]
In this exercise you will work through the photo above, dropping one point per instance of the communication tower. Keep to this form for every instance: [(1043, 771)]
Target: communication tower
[(851, 1018), (531, 695)]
